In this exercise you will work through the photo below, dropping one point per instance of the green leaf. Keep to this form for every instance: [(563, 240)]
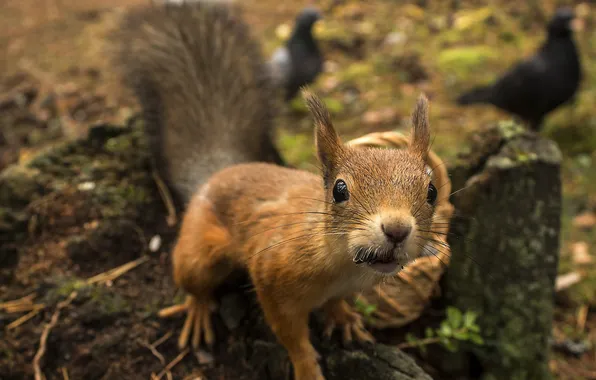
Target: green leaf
[(369, 309), (410, 338), (474, 328), (469, 319), (451, 346), (429, 333), (454, 317), (445, 330), (476, 339), (461, 335)]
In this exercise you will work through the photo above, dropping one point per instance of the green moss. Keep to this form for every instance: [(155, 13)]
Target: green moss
[(333, 105), (574, 139), (510, 129), (18, 186), (64, 287), (460, 60), (357, 71), (298, 149), (108, 303), (153, 307), (120, 144)]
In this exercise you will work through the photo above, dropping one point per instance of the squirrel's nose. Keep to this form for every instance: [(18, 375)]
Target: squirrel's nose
[(396, 233)]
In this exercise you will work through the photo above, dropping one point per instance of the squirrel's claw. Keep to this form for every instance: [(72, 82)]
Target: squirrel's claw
[(172, 310), (339, 314), (362, 335), (198, 321)]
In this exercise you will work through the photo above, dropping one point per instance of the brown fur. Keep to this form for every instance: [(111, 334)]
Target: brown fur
[(203, 85), (298, 246)]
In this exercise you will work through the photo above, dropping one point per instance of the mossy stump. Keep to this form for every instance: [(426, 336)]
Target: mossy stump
[(505, 248)]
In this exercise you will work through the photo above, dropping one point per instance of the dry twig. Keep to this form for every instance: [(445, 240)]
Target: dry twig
[(65, 373), (153, 350), (23, 300), (113, 274), (172, 364), (20, 305), (16, 323), (162, 339), (44, 336), (166, 197)]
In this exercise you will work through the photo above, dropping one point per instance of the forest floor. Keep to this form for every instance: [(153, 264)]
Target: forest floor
[(380, 56)]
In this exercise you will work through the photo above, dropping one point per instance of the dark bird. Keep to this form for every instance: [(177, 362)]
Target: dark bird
[(538, 85), (300, 61)]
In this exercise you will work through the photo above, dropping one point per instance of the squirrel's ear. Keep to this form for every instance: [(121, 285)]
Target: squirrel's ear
[(327, 141), (420, 128)]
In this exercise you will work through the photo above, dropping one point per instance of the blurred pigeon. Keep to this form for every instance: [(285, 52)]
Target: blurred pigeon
[(299, 62), (535, 87)]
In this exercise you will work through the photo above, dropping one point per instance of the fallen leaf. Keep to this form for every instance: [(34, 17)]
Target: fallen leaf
[(395, 38), (414, 12), (585, 220), (318, 29), (204, 357), (467, 19), (372, 117), (330, 84), (366, 28), (381, 116), (283, 31), (408, 89), (582, 10), (370, 96), (580, 253), (330, 66), (567, 280)]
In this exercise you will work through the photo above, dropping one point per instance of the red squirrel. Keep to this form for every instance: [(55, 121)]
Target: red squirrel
[(307, 241)]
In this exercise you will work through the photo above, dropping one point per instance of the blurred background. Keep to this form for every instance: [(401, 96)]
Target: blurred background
[(55, 82)]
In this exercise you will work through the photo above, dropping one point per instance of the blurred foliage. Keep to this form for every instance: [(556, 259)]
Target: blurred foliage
[(456, 328)]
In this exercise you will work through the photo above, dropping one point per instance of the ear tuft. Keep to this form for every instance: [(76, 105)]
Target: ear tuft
[(327, 141), (421, 127), (317, 109)]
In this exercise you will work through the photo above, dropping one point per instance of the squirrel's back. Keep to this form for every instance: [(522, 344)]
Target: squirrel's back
[(202, 83)]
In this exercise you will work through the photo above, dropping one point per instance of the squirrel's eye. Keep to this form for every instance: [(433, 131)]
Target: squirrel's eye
[(431, 195), (340, 191)]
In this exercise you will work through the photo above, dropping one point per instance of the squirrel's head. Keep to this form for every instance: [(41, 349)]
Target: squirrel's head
[(381, 200)]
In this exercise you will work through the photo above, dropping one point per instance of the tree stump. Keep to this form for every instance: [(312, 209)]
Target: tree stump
[(505, 248)]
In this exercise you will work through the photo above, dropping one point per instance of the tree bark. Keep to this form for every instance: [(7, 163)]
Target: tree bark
[(505, 248)]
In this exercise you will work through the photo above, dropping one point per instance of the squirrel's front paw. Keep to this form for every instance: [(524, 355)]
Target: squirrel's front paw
[(339, 314), (198, 321)]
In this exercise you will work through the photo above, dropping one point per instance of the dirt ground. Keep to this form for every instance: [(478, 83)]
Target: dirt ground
[(54, 60)]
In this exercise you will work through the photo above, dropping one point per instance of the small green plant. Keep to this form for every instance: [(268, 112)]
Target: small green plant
[(457, 327), (365, 309)]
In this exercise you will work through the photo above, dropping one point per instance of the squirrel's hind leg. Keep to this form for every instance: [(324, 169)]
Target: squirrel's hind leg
[(202, 260)]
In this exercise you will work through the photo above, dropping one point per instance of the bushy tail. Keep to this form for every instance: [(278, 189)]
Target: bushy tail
[(203, 86), (477, 95)]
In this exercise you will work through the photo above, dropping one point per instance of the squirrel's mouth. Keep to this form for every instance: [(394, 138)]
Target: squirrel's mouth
[(383, 261)]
